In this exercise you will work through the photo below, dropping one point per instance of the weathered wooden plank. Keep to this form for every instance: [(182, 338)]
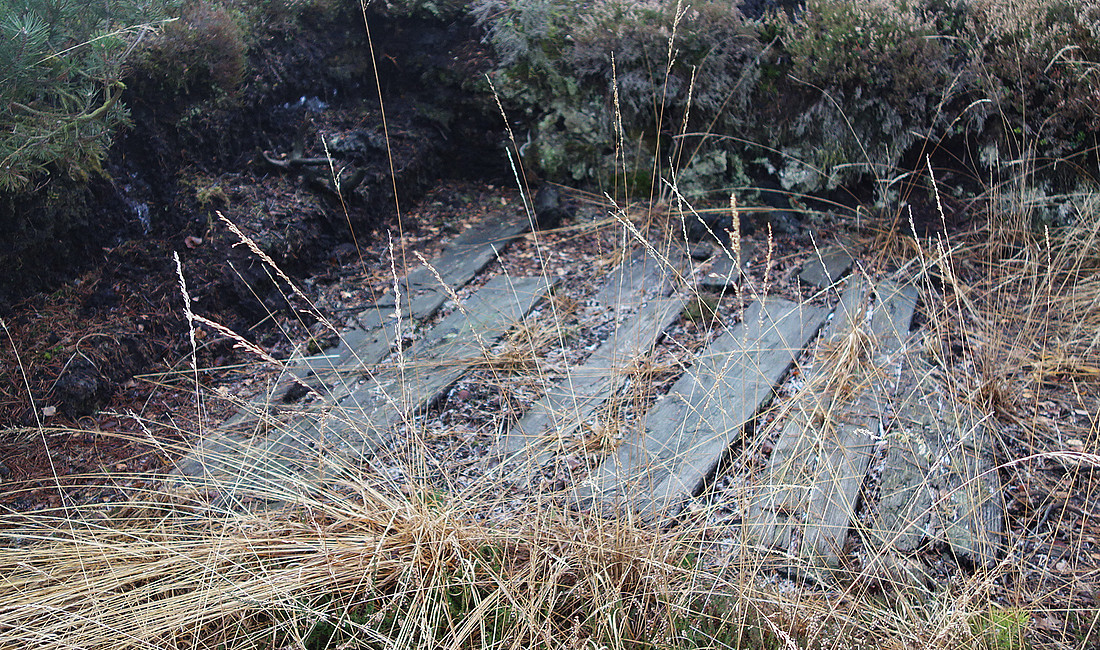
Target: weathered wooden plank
[(639, 283), (782, 504), (570, 402), (360, 420), (330, 374), (939, 481), (808, 499), (463, 258), (642, 275), (826, 266), (422, 294), (684, 438)]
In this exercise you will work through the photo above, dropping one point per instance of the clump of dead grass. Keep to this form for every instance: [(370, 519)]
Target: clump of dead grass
[(379, 570), (362, 568)]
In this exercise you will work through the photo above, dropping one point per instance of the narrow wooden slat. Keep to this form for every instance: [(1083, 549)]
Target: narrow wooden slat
[(690, 429), (464, 257), (642, 275), (361, 347), (826, 267), (939, 482), (724, 272), (555, 417), (783, 499), (809, 496), (636, 287), (359, 422)]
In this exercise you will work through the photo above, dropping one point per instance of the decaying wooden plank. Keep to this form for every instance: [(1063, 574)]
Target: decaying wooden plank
[(463, 258), (685, 436), (555, 418), (809, 496), (637, 286), (334, 373), (826, 266), (642, 275), (939, 481), (360, 347), (361, 420)]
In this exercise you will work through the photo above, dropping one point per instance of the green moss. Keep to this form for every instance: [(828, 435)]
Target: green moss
[(701, 310), (1000, 629)]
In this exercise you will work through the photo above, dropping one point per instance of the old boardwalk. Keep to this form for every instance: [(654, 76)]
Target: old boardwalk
[(806, 504), (872, 435), (690, 429)]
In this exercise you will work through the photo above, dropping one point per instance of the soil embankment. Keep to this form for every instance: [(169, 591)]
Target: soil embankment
[(91, 295)]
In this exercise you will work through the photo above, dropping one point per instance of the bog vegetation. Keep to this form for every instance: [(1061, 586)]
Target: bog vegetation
[(659, 105)]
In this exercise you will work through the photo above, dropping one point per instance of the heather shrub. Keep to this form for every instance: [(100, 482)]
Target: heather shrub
[(591, 116), (203, 52), (835, 92), (857, 84), (1041, 64)]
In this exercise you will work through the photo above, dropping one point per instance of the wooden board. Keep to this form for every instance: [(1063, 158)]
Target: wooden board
[(555, 418), (637, 289), (939, 481), (361, 420), (685, 436), (826, 266), (372, 339), (642, 275), (463, 258), (810, 492)]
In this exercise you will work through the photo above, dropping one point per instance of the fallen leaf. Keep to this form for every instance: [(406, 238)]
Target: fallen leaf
[(192, 241)]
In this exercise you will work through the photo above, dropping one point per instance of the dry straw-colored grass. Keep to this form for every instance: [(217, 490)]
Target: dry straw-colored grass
[(409, 572), (354, 564)]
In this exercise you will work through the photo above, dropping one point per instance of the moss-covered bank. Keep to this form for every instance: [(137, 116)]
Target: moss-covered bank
[(830, 93)]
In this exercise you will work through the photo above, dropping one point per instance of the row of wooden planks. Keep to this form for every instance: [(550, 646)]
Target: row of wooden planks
[(870, 400)]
